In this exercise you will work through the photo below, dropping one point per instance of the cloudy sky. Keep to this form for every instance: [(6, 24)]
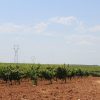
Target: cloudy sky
[(50, 31)]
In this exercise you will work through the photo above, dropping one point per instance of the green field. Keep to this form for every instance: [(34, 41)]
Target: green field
[(34, 72), (90, 68)]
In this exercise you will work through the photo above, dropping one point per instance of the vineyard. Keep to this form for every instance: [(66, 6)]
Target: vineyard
[(15, 73)]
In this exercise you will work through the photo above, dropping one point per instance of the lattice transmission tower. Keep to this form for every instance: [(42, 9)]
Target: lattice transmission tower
[(16, 49), (33, 58)]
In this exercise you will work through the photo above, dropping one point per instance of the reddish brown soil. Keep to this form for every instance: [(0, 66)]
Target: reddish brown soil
[(76, 89)]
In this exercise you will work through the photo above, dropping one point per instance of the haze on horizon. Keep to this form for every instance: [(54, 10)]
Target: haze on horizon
[(50, 31)]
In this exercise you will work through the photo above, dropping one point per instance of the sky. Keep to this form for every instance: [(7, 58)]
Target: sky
[(50, 31)]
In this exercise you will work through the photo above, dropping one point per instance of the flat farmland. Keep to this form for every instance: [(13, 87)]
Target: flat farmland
[(86, 88)]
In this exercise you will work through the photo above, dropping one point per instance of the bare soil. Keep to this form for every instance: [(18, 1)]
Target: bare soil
[(76, 89)]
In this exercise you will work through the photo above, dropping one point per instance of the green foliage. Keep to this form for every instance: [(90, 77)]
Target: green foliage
[(61, 73), (10, 73), (79, 73), (13, 72), (46, 74), (71, 74), (34, 74)]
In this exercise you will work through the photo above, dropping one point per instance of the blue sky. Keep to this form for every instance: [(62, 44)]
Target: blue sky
[(50, 31)]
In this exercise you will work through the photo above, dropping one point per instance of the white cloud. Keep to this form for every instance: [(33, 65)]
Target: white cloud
[(40, 27), (69, 20), (21, 28), (12, 28), (82, 39), (15, 28), (72, 25), (95, 29), (8, 27)]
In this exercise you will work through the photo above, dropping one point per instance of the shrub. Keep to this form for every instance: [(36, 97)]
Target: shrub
[(34, 74), (48, 75), (79, 73), (9, 74), (71, 74), (61, 73)]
